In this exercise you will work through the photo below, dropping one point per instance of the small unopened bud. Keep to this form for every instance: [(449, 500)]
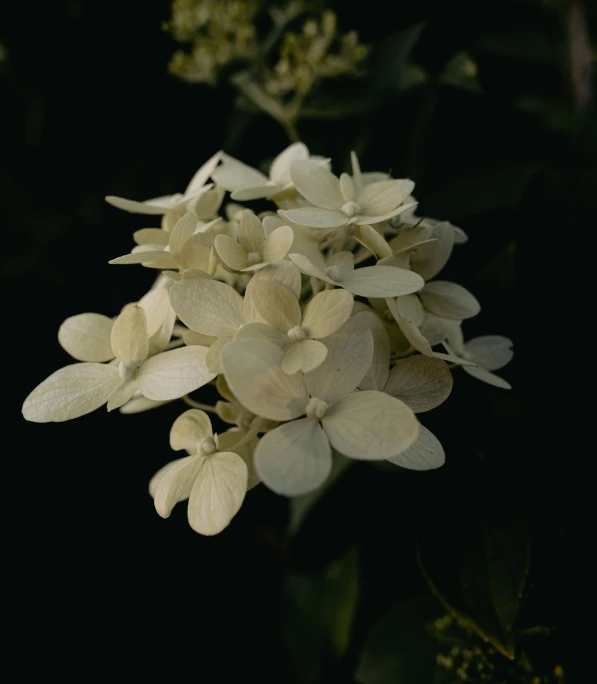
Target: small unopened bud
[(333, 272), (127, 369), (351, 208), (297, 333), (254, 257), (207, 445), (316, 408)]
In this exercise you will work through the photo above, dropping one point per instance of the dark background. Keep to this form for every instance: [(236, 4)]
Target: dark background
[(98, 580)]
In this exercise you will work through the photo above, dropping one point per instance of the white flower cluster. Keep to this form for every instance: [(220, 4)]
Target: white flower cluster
[(319, 325)]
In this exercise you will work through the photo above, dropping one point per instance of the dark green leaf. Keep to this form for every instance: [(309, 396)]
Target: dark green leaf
[(400, 649)]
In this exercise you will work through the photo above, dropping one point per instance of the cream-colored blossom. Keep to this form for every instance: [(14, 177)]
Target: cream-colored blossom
[(299, 334), (81, 388), (246, 183), (340, 201), (253, 249), (214, 477), (171, 203), (295, 457)]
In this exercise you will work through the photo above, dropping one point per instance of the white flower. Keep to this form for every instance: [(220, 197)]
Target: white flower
[(368, 281), (80, 388), (171, 203), (214, 478), (213, 308), (253, 249), (246, 183), (339, 202), (489, 353), (295, 458), (298, 334), (187, 250)]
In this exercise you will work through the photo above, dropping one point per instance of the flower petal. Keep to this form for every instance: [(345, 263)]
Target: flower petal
[(350, 352), (165, 259), (307, 267), (487, 376), (305, 356), (129, 338), (294, 458), (86, 337), (377, 375), (382, 281), (409, 307), (207, 306), (449, 300), (263, 331), (276, 305), (122, 394), (173, 483), (250, 232), (277, 244), (183, 230), (370, 425), (420, 382), (257, 192), (228, 442), (71, 392), (426, 453), (156, 304), (280, 168), (431, 257), (490, 351), (316, 184), (189, 428), (218, 492), (384, 196), (174, 373), (314, 217), (234, 175), (151, 236), (373, 241), (150, 207), (327, 312), (202, 174), (231, 253), (253, 373)]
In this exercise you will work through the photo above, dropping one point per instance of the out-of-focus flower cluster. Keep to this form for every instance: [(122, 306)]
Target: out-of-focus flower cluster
[(217, 31), (275, 70), (322, 324)]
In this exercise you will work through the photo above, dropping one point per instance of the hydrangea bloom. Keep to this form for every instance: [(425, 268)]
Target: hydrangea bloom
[(322, 324)]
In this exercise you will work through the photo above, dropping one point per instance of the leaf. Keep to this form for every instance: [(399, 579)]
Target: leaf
[(391, 56), (399, 649), (481, 579), (321, 616)]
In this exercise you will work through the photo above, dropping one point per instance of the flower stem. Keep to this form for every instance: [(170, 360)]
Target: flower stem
[(198, 405)]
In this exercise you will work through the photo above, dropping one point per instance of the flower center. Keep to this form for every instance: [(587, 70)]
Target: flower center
[(128, 369), (333, 272), (297, 333), (254, 257), (207, 445), (351, 208), (316, 408)]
